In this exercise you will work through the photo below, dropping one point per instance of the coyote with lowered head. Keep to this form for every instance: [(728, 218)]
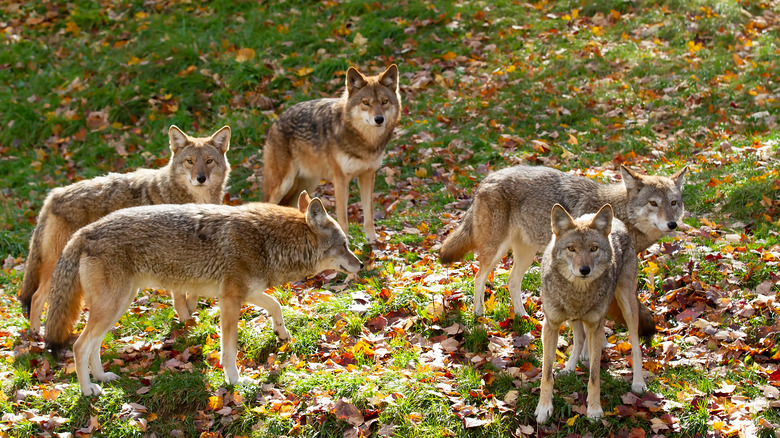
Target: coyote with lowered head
[(196, 173), (232, 253)]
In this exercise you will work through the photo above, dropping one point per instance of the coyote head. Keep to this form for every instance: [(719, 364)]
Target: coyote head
[(333, 243), (655, 203), (200, 161), (581, 250), (374, 101)]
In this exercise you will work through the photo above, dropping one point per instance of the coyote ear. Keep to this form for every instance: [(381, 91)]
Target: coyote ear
[(631, 179), (390, 77), (176, 138), (561, 220), (303, 201), (355, 80), (221, 138), (315, 213), (603, 220), (679, 177)]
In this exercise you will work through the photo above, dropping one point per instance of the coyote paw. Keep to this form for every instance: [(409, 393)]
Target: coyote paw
[(638, 387), (282, 333), (543, 411), (595, 413), (105, 377), (91, 389), (244, 380)]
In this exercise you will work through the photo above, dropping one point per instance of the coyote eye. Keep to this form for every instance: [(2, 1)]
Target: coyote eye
[(189, 161), (654, 204), (674, 202), (209, 161), (594, 248), (366, 103), (385, 101), (571, 249)]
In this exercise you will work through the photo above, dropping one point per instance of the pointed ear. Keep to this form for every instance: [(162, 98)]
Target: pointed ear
[(316, 214), (561, 220), (176, 138), (679, 177), (355, 80), (390, 77), (631, 179), (603, 220), (303, 201), (221, 138)]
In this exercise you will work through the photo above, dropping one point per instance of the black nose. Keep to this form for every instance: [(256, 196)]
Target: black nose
[(379, 120), (584, 270), (201, 178), (361, 265), (672, 225)]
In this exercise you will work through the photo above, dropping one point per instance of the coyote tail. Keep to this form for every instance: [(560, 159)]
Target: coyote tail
[(460, 241), (66, 295), (32, 268), (647, 327)]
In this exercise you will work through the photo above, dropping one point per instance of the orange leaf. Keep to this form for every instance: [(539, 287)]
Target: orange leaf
[(215, 402), (449, 56)]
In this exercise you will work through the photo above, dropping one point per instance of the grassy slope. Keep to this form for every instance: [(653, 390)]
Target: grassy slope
[(656, 85)]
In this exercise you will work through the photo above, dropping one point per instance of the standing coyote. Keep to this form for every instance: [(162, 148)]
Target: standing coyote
[(589, 262), (196, 172), (336, 140), (232, 253), (510, 206)]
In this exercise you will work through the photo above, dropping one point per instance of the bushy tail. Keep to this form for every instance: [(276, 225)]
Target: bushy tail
[(460, 241), (66, 295), (646, 320), (32, 268)]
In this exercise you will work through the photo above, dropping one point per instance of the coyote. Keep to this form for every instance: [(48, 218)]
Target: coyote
[(196, 172), (510, 204), (336, 140), (233, 253), (589, 262)]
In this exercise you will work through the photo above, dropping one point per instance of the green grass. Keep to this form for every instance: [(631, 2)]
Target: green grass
[(582, 87)]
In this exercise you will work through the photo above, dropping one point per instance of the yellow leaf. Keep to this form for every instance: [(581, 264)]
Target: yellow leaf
[(570, 421), (215, 402), (511, 68), (572, 140), (72, 28), (304, 71), (141, 15), (651, 268), (151, 417), (360, 40), (575, 13), (615, 14), (421, 172), (134, 61), (597, 30), (245, 54), (449, 56)]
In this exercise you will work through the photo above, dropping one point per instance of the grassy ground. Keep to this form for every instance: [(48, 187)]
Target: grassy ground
[(92, 87)]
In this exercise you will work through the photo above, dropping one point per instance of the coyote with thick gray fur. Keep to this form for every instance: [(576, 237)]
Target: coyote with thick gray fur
[(336, 140), (589, 262), (510, 207), (232, 253), (196, 173)]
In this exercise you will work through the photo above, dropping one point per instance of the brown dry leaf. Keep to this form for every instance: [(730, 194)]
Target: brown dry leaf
[(348, 412)]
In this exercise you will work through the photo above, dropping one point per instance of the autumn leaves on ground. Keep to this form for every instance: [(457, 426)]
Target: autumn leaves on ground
[(92, 87)]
